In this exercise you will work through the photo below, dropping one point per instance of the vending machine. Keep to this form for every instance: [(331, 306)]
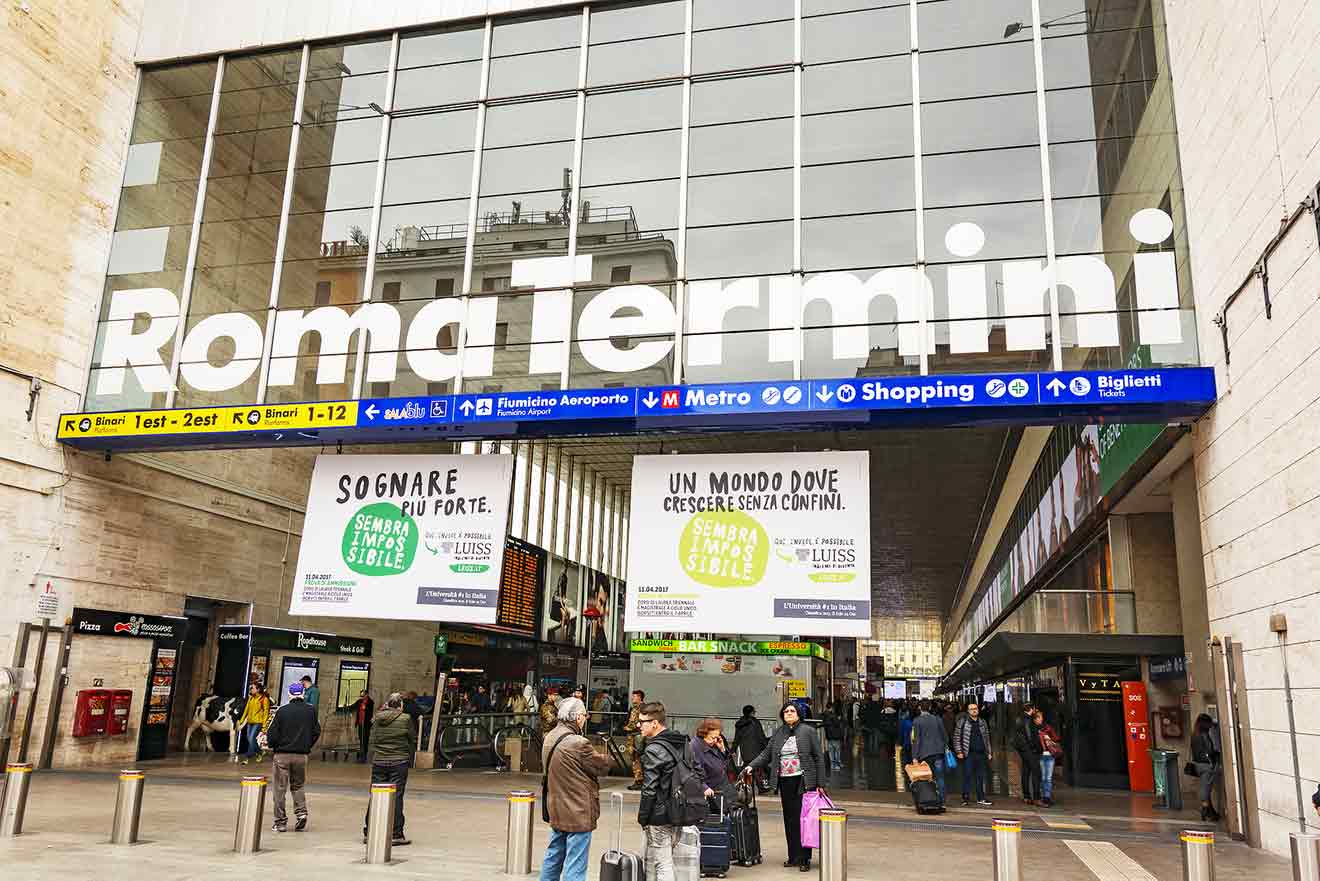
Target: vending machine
[(1136, 726)]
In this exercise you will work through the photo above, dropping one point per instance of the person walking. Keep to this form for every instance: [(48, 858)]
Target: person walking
[(633, 729), (673, 841), (293, 732), (1026, 743), (1208, 760), (1050, 750), (573, 770), (834, 731), (311, 694), (795, 763), (971, 743), (393, 742), (929, 744), (256, 713), (364, 708), (549, 711)]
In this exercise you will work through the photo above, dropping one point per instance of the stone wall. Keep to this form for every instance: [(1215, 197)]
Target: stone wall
[(1250, 145)]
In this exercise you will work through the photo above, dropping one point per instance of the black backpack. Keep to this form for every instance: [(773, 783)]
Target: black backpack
[(687, 790)]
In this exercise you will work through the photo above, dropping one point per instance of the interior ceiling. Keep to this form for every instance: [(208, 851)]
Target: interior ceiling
[(928, 489)]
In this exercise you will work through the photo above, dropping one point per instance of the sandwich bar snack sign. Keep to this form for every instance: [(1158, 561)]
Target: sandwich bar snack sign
[(758, 542), (411, 537)]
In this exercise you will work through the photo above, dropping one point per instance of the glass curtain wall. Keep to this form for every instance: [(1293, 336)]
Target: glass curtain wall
[(644, 193)]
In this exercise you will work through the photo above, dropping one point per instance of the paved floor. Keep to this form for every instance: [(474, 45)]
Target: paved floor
[(457, 822)]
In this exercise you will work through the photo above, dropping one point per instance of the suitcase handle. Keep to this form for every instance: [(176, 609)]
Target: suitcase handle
[(618, 833)]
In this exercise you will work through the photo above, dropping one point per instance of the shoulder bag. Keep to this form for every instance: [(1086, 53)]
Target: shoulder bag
[(545, 779)]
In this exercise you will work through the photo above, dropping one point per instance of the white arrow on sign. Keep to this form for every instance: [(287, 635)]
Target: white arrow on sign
[(1055, 386), (466, 407), (824, 394), (372, 411), (650, 400)]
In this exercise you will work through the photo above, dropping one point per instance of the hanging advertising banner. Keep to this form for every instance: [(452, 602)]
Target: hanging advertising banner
[(405, 537), (751, 543)]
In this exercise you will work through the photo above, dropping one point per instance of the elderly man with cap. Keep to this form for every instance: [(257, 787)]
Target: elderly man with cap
[(572, 793), (393, 742), (293, 732)]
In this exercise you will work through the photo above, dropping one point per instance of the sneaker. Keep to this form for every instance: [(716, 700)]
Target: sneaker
[(399, 841), (278, 828), (965, 802), (984, 802), (636, 787), (301, 825)]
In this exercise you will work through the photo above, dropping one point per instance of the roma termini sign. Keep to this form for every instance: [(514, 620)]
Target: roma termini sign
[(632, 327)]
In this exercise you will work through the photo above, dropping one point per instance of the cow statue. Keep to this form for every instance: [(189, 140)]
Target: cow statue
[(213, 714)]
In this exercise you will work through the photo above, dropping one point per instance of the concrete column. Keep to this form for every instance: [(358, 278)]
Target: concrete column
[(1191, 588), (580, 498), (553, 546), (540, 504), (528, 450), (590, 558)]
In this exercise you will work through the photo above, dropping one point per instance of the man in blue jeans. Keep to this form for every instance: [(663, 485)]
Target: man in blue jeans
[(971, 742), (572, 798), (929, 743)]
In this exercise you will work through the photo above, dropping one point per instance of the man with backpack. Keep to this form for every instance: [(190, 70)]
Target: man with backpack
[(673, 800)]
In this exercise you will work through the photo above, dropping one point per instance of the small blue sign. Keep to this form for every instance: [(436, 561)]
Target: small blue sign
[(924, 392), (1126, 386), (724, 398), (556, 405)]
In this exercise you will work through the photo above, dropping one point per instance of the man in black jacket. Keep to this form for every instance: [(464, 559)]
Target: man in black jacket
[(292, 733), (1026, 743), (670, 842)]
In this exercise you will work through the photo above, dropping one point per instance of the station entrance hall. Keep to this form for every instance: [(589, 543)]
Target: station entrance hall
[(839, 427)]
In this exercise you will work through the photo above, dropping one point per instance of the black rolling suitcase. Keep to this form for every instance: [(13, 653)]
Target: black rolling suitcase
[(617, 864), (716, 843), (746, 827), (926, 797)]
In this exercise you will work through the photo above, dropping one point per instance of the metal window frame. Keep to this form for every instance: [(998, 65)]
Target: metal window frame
[(474, 196), (281, 236), (1047, 190), (190, 263)]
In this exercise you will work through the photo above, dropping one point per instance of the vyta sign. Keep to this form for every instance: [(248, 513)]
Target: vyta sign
[(623, 329)]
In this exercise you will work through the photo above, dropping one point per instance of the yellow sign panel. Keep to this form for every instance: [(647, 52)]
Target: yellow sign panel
[(209, 420), (795, 688)]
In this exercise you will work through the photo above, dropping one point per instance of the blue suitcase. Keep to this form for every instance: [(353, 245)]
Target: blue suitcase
[(717, 842)]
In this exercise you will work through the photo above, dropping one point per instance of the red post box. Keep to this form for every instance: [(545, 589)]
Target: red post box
[(121, 704), (91, 714), (1136, 724)]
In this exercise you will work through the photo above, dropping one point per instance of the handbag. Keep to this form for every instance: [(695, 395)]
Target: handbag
[(545, 779), (809, 824), (950, 760), (1190, 770), (918, 771)]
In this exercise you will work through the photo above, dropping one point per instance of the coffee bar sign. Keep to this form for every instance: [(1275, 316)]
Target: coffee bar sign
[(297, 640)]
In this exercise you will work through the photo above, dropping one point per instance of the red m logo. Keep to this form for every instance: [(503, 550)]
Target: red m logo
[(669, 400)]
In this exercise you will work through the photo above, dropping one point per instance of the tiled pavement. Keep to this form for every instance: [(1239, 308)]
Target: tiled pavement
[(457, 822)]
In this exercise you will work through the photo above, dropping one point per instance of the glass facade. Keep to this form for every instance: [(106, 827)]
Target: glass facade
[(647, 193)]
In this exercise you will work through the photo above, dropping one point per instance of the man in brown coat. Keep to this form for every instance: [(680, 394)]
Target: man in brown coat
[(572, 793)]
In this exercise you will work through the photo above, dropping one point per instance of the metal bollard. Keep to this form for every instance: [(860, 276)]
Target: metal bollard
[(833, 845), (1007, 852), (17, 777), (380, 823), (899, 777), (518, 845), (128, 808), (251, 811), (1198, 855), (1305, 856)]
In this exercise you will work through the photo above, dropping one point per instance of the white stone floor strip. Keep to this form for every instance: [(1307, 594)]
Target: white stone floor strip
[(1107, 862)]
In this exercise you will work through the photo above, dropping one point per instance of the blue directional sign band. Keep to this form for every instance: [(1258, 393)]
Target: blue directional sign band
[(1149, 395)]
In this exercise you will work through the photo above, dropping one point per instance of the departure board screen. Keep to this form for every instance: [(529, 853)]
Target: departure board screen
[(521, 584)]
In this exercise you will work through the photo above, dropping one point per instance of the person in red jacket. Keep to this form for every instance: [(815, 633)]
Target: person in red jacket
[(363, 711)]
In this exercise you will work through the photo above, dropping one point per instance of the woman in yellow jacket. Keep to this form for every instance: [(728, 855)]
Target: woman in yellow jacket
[(256, 715)]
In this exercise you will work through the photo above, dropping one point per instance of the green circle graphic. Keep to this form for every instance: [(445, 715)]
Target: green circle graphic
[(380, 540), (724, 549)]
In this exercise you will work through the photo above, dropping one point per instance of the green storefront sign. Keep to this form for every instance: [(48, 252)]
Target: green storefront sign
[(729, 647), (1122, 443)]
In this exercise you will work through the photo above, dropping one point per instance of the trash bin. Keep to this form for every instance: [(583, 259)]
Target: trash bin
[(1168, 788)]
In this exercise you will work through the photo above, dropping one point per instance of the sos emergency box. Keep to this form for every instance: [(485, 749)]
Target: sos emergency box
[(91, 712), (121, 705)]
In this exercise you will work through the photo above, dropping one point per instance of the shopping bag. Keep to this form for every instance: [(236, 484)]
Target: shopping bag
[(918, 771), (950, 761), (812, 804)]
